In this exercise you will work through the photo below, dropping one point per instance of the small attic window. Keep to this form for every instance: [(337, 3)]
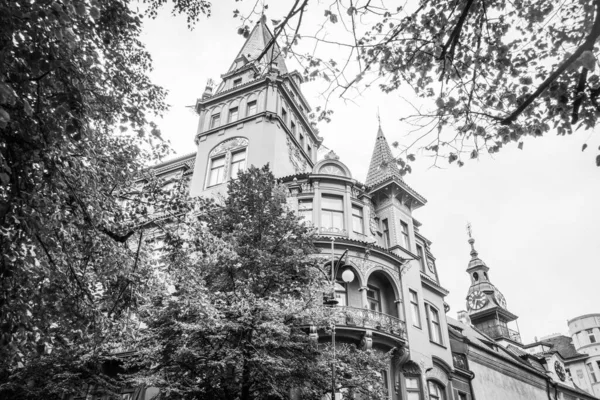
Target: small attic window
[(237, 82)]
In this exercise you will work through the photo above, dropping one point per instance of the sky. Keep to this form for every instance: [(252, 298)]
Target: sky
[(534, 212)]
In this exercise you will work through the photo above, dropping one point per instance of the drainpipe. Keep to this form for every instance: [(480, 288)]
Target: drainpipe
[(471, 386)]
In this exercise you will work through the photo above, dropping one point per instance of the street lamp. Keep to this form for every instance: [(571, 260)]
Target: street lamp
[(347, 277)]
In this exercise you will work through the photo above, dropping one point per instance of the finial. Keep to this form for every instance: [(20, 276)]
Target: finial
[(378, 117), (471, 240)]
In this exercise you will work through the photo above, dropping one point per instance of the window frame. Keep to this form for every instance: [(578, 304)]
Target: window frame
[(591, 335), (405, 235), (304, 212), (237, 82), (376, 300), (284, 115), (415, 312), (215, 120), (358, 218), (385, 229), (422, 261), (233, 114), (439, 388), (429, 311), (212, 168), (324, 211), (251, 108), (592, 373), (413, 390), (232, 162)]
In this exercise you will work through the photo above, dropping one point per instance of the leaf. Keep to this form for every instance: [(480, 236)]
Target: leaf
[(598, 160), (4, 115), (27, 108), (410, 157), (588, 60), (584, 147), (520, 146), (4, 178)]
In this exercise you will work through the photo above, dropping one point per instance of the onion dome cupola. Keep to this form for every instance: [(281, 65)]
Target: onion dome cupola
[(486, 305)]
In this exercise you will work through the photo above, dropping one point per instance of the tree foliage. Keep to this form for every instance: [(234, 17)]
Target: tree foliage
[(76, 105), (489, 72), (247, 287)]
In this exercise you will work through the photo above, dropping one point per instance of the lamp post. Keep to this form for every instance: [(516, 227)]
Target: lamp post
[(347, 277)]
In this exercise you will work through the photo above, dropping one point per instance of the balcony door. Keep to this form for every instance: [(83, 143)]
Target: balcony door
[(374, 298)]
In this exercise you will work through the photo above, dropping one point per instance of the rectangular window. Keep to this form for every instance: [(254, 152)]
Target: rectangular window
[(421, 254), (405, 242), (433, 321), (284, 115), (251, 108), (237, 82), (305, 209), (357, 219), (590, 368), (462, 396), (215, 120), (413, 391), (332, 212), (217, 171), (309, 150), (233, 114), (591, 336), (293, 127), (386, 233), (301, 140), (238, 163), (374, 298), (414, 309)]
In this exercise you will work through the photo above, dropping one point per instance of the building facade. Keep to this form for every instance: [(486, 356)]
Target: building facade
[(387, 289)]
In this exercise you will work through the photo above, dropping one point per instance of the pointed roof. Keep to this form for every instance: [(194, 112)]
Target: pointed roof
[(383, 163), (256, 42)]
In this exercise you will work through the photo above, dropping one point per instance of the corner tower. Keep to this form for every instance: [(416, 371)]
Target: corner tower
[(486, 305), (256, 115)]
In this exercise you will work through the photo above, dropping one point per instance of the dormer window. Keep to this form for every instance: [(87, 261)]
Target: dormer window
[(237, 82), (293, 128)]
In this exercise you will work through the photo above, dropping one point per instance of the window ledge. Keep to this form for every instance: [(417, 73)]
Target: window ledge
[(437, 344)]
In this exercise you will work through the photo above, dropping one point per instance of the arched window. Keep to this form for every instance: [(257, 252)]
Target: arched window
[(436, 391), (227, 159)]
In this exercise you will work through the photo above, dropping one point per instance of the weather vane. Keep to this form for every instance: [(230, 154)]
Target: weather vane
[(469, 230), (378, 117)]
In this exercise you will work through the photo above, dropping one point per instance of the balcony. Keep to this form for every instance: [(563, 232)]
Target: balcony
[(500, 331), (365, 318)]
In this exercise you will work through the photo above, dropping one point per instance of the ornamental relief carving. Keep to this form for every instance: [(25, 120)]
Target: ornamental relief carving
[(228, 145), (298, 162), (366, 267)]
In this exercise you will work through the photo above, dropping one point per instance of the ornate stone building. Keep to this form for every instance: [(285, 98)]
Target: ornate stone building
[(387, 287)]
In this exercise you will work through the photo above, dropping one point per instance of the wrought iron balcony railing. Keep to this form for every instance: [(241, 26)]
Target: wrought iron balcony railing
[(365, 318)]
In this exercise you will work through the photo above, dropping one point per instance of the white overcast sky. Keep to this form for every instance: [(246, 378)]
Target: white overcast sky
[(534, 211)]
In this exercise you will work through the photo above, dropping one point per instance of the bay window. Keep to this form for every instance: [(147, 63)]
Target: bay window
[(357, 219), (305, 209), (332, 212)]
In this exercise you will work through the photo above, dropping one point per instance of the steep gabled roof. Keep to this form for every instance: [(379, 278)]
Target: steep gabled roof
[(564, 345), (383, 164)]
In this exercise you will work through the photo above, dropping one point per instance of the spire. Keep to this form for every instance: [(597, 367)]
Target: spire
[(383, 163), (254, 46), (473, 253)]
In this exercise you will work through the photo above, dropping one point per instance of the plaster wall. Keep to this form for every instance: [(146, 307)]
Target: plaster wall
[(264, 146), (491, 384)]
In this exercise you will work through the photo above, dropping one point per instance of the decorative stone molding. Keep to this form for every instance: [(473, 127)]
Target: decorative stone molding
[(298, 162), (306, 187), (331, 156), (229, 145)]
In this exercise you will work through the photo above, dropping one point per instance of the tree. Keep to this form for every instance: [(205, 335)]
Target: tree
[(494, 72), (247, 288), (75, 131)]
